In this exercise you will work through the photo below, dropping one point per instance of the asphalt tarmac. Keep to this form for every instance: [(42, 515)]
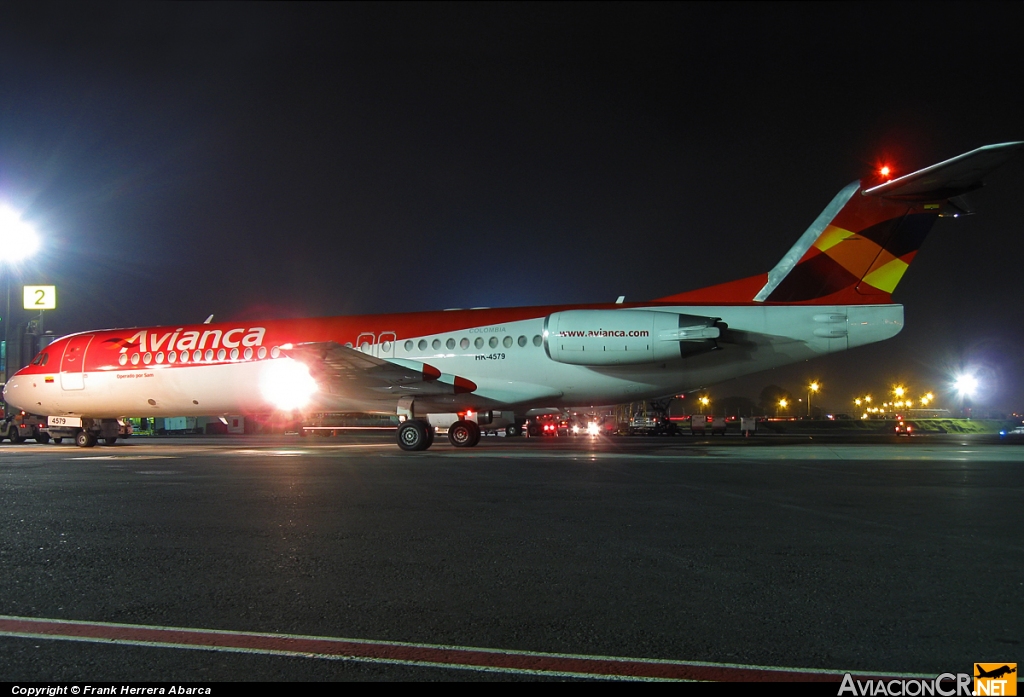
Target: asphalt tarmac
[(279, 559)]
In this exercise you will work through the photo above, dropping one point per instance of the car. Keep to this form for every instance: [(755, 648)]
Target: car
[(1013, 433), (903, 428)]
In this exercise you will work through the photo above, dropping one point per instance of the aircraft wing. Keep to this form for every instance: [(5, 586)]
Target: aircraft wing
[(953, 177), (349, 372)]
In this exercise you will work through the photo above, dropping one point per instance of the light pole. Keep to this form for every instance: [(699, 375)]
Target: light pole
[(18, 240), (782, 406), (812, 388)]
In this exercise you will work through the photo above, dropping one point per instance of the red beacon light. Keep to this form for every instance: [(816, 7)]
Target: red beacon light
[(885, 171)]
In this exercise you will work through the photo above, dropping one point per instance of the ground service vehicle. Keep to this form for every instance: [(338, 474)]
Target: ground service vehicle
[(548, 425), (832, 291), (86, 432), (652, 425), (20, 426)]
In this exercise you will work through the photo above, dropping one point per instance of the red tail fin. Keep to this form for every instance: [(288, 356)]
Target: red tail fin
[(859, 247)]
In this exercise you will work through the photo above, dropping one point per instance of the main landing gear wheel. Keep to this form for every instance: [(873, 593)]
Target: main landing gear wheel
[(84, 439), (415, 435), (512, 430), (464, 434)]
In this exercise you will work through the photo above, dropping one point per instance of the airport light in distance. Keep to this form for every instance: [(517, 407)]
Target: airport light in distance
[(966, 385)]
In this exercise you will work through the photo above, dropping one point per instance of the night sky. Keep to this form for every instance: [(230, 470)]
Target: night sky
[(283, 160)]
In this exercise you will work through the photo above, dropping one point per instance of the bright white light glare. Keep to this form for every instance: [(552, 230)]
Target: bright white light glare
[(966, 385), (593, 429), (287, 384), (18, 239)]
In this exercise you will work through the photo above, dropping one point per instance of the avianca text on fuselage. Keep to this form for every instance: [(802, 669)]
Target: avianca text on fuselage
[(181, 340), (830, 292), (148, 345)]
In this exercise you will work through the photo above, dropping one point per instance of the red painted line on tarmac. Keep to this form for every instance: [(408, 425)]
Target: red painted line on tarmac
[(429, 655)]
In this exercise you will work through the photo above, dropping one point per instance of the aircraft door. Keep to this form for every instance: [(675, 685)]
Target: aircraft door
[(72, 365), (386, 345)]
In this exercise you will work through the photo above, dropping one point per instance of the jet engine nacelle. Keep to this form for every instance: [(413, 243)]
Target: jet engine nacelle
[(625, 337)]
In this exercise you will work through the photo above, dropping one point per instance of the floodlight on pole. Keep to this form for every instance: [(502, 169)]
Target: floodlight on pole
[(18, 241)]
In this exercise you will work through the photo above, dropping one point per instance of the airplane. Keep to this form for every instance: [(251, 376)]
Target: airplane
[(994, 673), (463, 369)]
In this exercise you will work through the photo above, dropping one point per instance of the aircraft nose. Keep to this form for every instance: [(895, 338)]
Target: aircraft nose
[(15, 392)]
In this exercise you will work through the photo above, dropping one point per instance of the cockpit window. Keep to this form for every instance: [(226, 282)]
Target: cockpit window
[(46, 357), (41, 359)]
